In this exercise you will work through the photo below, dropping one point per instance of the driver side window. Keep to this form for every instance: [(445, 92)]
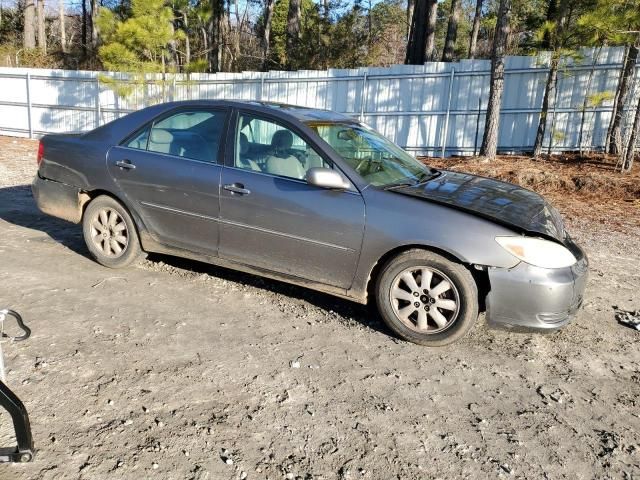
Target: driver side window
[(268, 147)]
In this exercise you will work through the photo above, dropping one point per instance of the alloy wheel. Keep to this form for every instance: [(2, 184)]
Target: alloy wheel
[(109, 233), (425, 299)]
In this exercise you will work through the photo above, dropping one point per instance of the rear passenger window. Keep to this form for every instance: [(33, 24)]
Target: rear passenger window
[(188, 134)]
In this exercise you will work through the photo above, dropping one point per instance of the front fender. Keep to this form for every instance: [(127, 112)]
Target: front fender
[(394, 221)]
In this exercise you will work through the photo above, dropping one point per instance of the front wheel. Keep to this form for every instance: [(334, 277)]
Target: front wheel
[(110, 233), (427, 299)]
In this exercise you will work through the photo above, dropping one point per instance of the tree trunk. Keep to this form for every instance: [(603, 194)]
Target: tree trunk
[(266, 34), (29, 33), (84, 26), (410, 7), (585, 101), (94, 24), (548, 93), (430, 42), (417, 31), (187, 42), (630, 149), (473, 40), (552, 12), (418, 44), (223, 35), (554, 118), (614, 131), (42, 27), (452, 32), (293, 30), (63, 33), (215, 35), (552, 78), (489, 146)]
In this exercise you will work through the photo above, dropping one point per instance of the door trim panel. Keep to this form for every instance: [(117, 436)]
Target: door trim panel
[(287, 235), (244, 225), (178, 211)]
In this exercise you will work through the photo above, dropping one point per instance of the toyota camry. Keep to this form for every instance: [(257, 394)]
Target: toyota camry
[(318, 199)]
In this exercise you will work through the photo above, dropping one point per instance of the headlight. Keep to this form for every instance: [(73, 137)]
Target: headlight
[(537, 252)]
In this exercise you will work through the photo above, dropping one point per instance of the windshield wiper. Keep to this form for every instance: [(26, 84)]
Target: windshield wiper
[(407, 183), (393, 186), (429, 176)]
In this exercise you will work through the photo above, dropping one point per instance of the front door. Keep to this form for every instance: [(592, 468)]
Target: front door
[(270, 217), (169, 174)]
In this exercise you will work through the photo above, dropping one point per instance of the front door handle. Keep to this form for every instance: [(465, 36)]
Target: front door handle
[(125, 164), (237, 188)]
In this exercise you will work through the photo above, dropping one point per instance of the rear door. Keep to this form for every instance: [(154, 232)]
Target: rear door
[(169, 173), (270, 217)]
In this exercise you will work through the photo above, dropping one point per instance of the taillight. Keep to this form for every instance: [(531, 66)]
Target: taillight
[(40, 153)]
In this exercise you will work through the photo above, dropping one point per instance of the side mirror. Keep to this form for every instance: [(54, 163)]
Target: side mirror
[(326, 178)]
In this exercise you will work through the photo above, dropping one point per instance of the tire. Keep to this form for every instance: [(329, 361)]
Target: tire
[(438, 315), (116, 246)]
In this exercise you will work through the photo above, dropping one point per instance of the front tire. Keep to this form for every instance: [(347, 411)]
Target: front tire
[(427, 299), (110, 233)]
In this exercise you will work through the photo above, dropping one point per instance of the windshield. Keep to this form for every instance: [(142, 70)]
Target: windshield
[(378, 160)]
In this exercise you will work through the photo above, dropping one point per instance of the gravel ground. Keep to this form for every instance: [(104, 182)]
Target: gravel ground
[(176, 370)]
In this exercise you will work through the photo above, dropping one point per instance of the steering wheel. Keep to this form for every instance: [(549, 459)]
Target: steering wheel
[(299, 155), (368, 166), (363, 166)]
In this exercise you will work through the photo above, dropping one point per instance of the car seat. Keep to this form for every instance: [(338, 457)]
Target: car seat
[(243, 155), (280, 162)]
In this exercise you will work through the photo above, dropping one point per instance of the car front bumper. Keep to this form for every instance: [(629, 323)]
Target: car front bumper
[(532, 297)]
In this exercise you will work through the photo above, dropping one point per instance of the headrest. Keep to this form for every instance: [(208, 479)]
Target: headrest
[(159, 135), (282, 139), (244, 144)]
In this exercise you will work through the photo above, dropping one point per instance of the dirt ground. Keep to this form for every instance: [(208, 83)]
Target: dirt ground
[(178, 370)]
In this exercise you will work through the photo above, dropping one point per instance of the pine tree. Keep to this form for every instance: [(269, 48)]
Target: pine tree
[(422, 33), (137, 45), (452, 32), (490, 139), (29, 33), (473, 38)]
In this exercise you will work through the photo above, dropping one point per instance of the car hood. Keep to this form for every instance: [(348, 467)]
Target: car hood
[(501, 202)]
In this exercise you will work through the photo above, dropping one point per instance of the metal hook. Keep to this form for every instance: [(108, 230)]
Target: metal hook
[(11, 313)]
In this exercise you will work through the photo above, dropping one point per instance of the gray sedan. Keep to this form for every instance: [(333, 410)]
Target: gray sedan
[(315, 198)]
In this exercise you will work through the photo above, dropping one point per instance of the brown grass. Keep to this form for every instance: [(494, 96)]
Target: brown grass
[(583, 188)]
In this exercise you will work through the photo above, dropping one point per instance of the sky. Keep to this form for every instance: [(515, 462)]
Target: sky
[(75, 5)]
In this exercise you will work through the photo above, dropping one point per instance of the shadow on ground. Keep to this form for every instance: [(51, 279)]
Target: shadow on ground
[(17, 207)]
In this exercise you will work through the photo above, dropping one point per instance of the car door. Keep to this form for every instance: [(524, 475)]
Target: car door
[(170, 175), (271, 218)]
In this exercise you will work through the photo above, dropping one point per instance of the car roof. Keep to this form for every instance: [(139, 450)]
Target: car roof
[(116, 130), (301, 114)]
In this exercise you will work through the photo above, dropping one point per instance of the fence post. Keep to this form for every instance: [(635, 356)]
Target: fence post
[(446, 118), (29, 113), (363, 96), (262, 86), (98, 114), (475, 142)]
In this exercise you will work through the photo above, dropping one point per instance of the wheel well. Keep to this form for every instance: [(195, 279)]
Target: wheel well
[(87, 196), (481, 277)]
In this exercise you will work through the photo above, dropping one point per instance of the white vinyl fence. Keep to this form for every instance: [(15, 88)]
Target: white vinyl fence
[(434, 109)]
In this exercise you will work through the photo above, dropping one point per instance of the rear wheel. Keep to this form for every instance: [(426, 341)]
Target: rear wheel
[(110, 233), (427, 299)]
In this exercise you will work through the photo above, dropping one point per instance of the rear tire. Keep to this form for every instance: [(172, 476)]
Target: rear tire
[(427, 299), (109, 232)]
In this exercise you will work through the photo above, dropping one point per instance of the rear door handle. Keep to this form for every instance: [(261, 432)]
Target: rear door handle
[(237, 188), (125, 164)]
